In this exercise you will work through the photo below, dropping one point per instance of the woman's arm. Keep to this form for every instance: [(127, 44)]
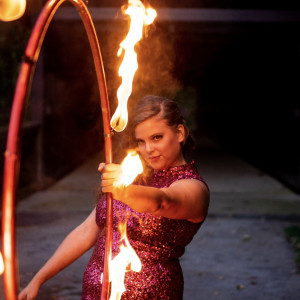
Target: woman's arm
[(183, 199), (80, 240)]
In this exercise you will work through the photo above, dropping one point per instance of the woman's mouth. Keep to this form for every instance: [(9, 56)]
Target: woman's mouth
[(153, 158)]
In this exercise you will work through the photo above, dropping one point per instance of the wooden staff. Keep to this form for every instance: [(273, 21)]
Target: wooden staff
[(13, 147)]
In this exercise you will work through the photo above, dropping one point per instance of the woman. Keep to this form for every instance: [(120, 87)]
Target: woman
[(163, 211)]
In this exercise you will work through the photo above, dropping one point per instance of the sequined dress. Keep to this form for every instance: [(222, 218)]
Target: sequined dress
[(158, 241)]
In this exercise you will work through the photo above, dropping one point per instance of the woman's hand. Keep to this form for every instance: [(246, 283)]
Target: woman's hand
[(111, 174), (30, 291), (183, 199)]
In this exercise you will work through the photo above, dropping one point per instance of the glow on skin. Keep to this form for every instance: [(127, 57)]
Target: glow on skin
[(160, 146), (187, 199)]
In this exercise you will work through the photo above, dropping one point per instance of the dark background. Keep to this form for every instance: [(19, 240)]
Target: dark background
[(237, 81)]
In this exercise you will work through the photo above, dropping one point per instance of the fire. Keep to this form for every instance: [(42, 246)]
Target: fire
[(11, 10), (1, 264), (126, 260), (131, 166), (139, 16)]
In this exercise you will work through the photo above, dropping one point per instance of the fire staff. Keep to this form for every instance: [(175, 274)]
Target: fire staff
[(164, 208)]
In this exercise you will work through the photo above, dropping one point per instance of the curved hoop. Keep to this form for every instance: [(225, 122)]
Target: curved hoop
[(13, 146)]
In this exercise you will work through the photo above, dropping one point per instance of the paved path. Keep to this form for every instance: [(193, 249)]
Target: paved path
[(239, 253)]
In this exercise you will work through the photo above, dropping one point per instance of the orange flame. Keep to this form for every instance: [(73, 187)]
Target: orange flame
[(1, 264), (11, 10), (126, 260), (139, 16), (131, 166)]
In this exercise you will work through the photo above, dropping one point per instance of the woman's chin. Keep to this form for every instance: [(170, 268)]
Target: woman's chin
[(158, 166), (155, 162)]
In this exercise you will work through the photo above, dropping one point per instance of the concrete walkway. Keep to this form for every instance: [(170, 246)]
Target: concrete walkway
[(239, 253)]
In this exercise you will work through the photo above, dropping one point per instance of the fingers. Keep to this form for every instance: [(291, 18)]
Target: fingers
[(24, 296), (101, 167), (110, 171), (107, 167), (111, 175), (107, 189), (106, 183), (30, 292)]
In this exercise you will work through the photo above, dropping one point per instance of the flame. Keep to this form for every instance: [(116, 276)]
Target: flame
[(131, 166), (1, 264), (126, 260), (139, 16), (11, 10)]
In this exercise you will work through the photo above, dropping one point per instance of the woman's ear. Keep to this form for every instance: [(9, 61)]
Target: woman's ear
[(180, 133)]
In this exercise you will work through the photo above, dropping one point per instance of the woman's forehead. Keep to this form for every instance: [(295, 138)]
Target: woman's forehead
[(151, 126)]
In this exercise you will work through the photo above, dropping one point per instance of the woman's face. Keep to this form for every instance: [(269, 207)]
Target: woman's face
[(159, 144)]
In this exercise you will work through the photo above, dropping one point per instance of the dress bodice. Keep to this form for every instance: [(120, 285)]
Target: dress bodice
[(158, 241), (155, 237)]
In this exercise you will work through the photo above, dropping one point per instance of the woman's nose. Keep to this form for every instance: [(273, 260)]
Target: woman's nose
[(149, 147)]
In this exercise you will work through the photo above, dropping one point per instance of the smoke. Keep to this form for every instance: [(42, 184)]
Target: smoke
[(156, 59), (155, 74)]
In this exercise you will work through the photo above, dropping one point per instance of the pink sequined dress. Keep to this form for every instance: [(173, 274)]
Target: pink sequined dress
[(158, 241)]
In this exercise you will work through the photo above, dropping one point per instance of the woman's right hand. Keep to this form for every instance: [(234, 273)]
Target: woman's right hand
[(30, 291), (111, 175)]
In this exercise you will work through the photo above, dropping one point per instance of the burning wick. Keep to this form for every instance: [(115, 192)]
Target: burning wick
[(131, 166), (11, 10), (1, 264), (126, 259), (139, 16)]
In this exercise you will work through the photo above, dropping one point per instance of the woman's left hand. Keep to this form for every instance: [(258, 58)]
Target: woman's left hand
[(111, 174)]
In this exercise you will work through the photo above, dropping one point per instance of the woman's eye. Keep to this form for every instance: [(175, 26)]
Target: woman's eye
[(157, 137), (139, 142)]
